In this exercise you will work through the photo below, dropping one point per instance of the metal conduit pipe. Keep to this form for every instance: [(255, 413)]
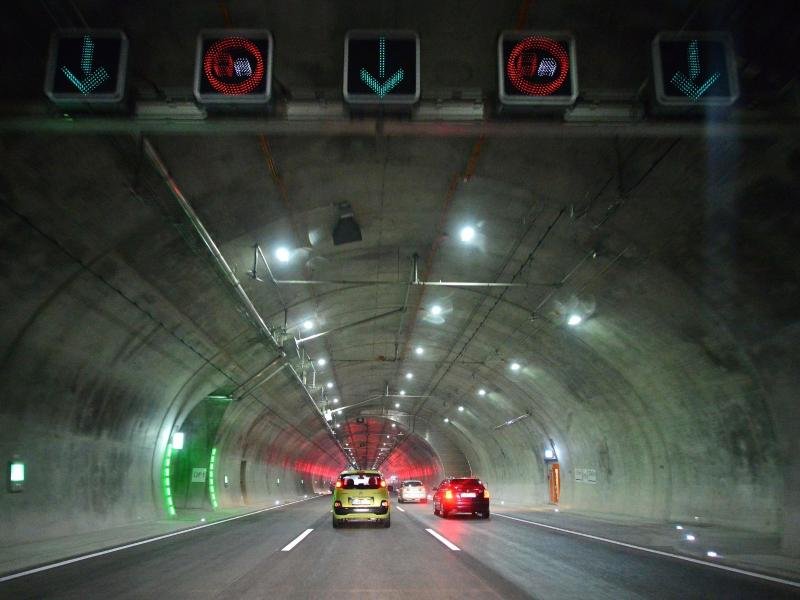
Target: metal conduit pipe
[(230, 276)]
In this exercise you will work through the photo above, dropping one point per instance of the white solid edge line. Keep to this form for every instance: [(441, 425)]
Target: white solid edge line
[(141, 542), (400, 509), (444, 540), (296, 540), (705, 563)]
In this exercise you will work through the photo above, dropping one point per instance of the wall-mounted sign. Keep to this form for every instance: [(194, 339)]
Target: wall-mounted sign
[(198, 475), (233, 66), (16, 476), (537, 68), (87, 67), (381, 67), (694, 69)]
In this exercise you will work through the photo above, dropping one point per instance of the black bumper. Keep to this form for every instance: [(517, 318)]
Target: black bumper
[(469, 505)]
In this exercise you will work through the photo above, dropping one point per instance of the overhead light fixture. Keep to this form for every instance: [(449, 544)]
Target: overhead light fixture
[(329, 385), (467, 234), (346, 229), (397, 405), (436, 310), (548, 453), (402, 392), (394, 425), (690, 537), (387, 436), (515, 366), (409, 375), (308, 324), (336, 401), (481, 392), (282, 254), (177, 440), (322, 362), (446, 420), (419, 350), (460, 409), (574, 320), (338, 425)]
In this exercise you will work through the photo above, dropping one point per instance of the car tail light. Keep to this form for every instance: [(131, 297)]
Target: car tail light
[(486, 493), (338, 483), (448, 494), (383, 483), (384, 503), (337, 504)]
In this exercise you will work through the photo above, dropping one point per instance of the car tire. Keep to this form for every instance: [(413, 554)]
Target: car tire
[(485, 515), (443, 512), (336, 523), (387, 522), (400, 501), (435, 511)]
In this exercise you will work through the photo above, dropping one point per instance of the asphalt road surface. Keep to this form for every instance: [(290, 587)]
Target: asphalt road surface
[(273, 555)]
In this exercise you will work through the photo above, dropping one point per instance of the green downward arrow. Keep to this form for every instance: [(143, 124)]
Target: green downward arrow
[(90, 80), (381, 89)]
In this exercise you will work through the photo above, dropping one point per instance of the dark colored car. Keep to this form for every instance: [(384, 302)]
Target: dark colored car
[(461, 495)]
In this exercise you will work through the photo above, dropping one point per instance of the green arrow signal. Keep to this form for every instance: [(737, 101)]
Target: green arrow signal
[(381, 89), (686, 85), (90, 80)]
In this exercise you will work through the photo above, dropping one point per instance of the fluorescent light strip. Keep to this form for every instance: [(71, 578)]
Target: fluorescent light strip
[(296, 540), (141, 542), (444, 540), (658, 552)]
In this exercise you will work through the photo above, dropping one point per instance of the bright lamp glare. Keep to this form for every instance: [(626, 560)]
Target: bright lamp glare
[(409, 375), (282, 254), (515, 366), (481, 392), (397, 405), (308, 325), (690, 537), (336, 401), (321, 362), (177, 440), (574, 320), (329, 385), (338, 426), (394, 425), (419, 350), (467, 234), (548, 453), (460, 409), (712, 554), (436, 310), (446, 420), (402, 392), (17, 474)]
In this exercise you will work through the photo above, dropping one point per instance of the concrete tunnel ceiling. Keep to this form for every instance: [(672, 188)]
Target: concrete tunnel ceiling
[(676, 386)]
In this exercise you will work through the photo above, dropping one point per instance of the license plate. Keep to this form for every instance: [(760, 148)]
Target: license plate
[(360, 510), (468, 495), (356, 501)]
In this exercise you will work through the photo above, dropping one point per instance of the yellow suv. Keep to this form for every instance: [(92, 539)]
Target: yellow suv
[(361, 496)]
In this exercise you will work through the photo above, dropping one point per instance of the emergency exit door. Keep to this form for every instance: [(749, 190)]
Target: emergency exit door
[(554, 475)]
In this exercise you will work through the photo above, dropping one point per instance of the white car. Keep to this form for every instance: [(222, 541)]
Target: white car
[(412, 490)]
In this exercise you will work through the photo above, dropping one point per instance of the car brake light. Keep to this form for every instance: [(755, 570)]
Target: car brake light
[(383, 483), (486, 493), (448, 494), (338, 483)]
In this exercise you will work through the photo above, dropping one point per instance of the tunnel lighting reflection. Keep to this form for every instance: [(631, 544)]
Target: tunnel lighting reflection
[(436, 310), (574, 320), (419, 350), (690, 537), (712, 554), (177, 440), (679, 527), (481, 392), (321, 362), (467, 234), (515, 366), (460, 409), (282, 254), (409, 375)]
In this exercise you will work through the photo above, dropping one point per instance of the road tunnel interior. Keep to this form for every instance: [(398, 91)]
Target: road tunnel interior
[(648, 342)]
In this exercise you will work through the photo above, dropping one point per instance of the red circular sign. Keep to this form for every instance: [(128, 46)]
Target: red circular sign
[(220, 63), (524, 62)]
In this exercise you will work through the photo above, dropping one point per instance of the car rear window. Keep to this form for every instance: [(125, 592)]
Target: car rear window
[(412, 483), (360, 481), (464, 481)]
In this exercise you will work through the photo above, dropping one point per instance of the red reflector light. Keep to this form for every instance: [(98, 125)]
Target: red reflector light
[(486, 494), (337, 504), (383, 483), (384, 503), (338, 483), (448, 494)]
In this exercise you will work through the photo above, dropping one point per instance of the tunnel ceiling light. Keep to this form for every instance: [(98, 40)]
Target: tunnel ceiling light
[(481, 392), (397, 405), (394, 425), (690, 537), (308, 324), (460, 409), (177, 440), (467, 234), (409, 375), (548, 453), (402, 392), (321, 362), (446, 420), (679, 527), (712, 554), (574, 320), (436, 310), (338, 425), (336, 401), (515, 366), (282, 254), (329, 385), (419, 350)]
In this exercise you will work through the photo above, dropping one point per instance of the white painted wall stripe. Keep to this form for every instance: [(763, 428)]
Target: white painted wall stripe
[(443, 539), (705, 563), (296, 540), (70, 561)]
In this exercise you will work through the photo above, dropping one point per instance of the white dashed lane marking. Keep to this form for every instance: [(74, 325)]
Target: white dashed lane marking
[(296, 540), (444, 540)]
